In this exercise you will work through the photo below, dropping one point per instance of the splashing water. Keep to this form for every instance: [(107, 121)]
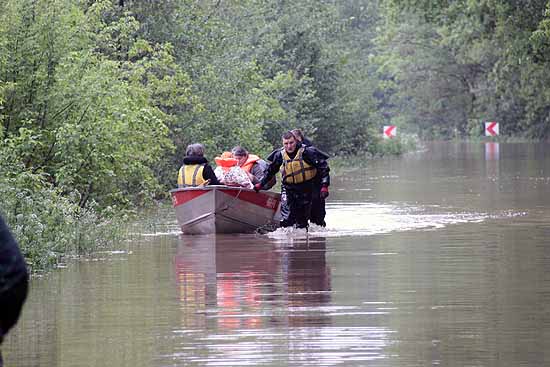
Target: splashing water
[(365, 219)]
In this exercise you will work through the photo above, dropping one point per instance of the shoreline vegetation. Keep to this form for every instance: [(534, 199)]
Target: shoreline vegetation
[(99, 99)]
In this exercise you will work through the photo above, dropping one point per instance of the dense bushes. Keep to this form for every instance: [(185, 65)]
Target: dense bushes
[(49, 225)]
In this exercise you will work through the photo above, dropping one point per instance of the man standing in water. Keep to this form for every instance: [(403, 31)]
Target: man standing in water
[(299, 166), (13, 281), (318, 211)]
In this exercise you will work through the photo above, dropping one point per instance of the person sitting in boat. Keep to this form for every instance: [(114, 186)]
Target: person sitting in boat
[(229, 173), (224, 162), (253, 165), (318, 211), (195, 170), (299, 165)]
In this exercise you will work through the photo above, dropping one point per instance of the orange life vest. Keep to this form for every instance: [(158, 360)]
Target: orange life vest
[(225, 161), (252, 158)]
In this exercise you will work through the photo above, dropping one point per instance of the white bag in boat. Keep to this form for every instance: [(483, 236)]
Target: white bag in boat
[(236, 176), (219, 173)]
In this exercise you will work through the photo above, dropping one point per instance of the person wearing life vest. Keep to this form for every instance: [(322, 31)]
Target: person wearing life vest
[(224, 163), (299, 165), (229, 173), (195, 170), (253, 165), (14, 280), (318, 211)]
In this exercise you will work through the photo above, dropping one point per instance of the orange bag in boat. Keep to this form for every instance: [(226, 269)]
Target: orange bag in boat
[(226, 161), (229, 173)]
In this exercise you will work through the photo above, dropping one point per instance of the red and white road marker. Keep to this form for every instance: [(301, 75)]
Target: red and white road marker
[(491, 128), (390, 131)]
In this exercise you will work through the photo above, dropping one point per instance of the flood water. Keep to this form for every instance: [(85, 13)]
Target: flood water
[(440, 257)]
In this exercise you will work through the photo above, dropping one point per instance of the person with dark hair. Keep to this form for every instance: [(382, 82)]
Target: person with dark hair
[(318, 211), (299, 135), (14, 281), (253, 165), (299, 165), (195, 170)]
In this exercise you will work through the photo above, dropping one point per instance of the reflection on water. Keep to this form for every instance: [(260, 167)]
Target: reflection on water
[(266, 301), (492, 151), (241, 286), (437, 258)]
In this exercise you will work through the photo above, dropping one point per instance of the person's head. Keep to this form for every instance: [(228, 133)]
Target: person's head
[(298, 134), (195, 150), (289, 142), (240, 154)]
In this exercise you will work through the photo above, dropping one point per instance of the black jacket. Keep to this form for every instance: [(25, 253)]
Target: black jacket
[(207, 172), (12, 263), (311, 155), (307, 143)]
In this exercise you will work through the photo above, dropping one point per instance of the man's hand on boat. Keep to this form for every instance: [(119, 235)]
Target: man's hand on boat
[(232, 184), (257, 187), (207, 182)]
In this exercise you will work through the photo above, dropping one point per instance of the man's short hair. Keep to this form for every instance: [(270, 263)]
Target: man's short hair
[(239, 151), (288, 134), (195, 150)]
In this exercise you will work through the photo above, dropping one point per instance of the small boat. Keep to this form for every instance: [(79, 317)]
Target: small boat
[(225, 209)]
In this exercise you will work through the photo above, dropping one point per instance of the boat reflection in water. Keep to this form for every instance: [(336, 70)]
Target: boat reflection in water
[(232, 282)]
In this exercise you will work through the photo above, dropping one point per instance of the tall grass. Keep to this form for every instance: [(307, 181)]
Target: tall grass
[(48, 225)]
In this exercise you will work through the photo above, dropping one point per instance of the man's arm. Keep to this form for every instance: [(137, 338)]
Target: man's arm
[(315, 158), (208, 174), (272, 168), (258, 170)]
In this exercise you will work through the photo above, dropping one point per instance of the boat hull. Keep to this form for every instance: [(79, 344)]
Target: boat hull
[(223, 209)]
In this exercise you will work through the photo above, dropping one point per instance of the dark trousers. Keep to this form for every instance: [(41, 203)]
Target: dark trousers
[(11, 303), (318, 211), (296, 204)]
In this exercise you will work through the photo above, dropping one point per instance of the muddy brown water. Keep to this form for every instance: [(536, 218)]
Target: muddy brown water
[(437, 258)]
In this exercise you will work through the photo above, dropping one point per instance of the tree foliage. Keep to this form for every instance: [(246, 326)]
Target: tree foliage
[(457, 64)]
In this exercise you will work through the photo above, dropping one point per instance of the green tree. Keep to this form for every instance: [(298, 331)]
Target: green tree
[(84, 99), (467, 62)]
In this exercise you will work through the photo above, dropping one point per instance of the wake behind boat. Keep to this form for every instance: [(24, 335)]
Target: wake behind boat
[(225, 209)]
